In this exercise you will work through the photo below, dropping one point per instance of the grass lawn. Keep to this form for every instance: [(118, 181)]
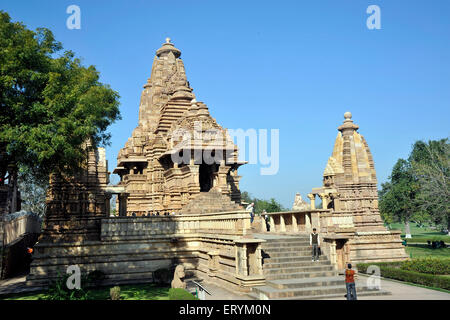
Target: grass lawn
[(422, 250), (127, 292), (421, 234)]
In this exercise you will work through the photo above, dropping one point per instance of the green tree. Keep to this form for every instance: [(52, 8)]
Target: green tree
[(49, 105), (431, 164), (397, 196), (260, 205), (32, 193)]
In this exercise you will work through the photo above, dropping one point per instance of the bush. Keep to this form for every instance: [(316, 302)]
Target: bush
[(58, 291), (393, 270), (428, 265), (180, 294)]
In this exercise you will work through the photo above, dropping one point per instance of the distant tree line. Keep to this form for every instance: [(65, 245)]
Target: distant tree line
[(260, 205), (419, 187)]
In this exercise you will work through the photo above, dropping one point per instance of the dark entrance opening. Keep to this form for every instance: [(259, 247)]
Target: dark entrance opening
[(205, 177)]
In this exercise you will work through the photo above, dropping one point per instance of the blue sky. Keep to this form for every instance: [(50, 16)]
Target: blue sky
[(296, 66)]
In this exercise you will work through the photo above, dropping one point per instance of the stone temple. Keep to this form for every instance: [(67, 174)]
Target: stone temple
[(179, 203), (350, 191), (164, 164)]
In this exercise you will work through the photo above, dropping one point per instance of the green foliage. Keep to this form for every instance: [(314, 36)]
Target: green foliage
[(58, 291), (393, 271), (114, 292), (33, 192), (431, 164), (419, 187), (146, 291), (260, 205), (398, 194), (49, 103), (180, 294), (428, 265)]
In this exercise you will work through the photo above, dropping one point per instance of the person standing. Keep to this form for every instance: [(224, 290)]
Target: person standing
[(266, 220), (350, 283), (251, 209), (314, 242)]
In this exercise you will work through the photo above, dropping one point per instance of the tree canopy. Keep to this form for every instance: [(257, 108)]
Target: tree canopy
[(260, 205), (418, 187), (50, 104)]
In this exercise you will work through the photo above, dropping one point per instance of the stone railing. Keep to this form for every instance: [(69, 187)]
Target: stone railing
[(133, 228), (225, 250), (325, 221), (293, 221), (18, 224)]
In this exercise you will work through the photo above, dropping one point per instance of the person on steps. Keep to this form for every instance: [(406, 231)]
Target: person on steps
[(314, 242)]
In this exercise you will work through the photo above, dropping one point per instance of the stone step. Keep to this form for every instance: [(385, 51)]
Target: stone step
[(303, 258), (286, 265), (273, 293), (336, 296), (300, 253), (285, 246), (289, 240), (300, 275), (319, 268), (306, 282)]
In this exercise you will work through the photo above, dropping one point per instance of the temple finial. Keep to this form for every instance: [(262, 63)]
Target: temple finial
[(348, 115)]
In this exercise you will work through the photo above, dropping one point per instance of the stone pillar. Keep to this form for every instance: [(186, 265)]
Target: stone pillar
[(122, 204), (241, 260), (272, 224), (294, 223), (333, 257), (312, 198), (282, 224), (324, 198), (213, 263), (308, 222), (194, 183), (259, 260), (222, 177)]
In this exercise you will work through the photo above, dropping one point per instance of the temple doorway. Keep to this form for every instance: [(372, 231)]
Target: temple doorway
[(341, 253), (206, 177)]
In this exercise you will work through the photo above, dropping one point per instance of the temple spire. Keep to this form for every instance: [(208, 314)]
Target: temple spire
[(348, 126), (166, 48)]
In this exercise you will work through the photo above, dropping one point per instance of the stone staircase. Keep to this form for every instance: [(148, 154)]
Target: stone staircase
[(212, 201), (290, 273)]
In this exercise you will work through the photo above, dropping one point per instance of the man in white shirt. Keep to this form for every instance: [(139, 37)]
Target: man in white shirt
[(251, 209), (314, 242)]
